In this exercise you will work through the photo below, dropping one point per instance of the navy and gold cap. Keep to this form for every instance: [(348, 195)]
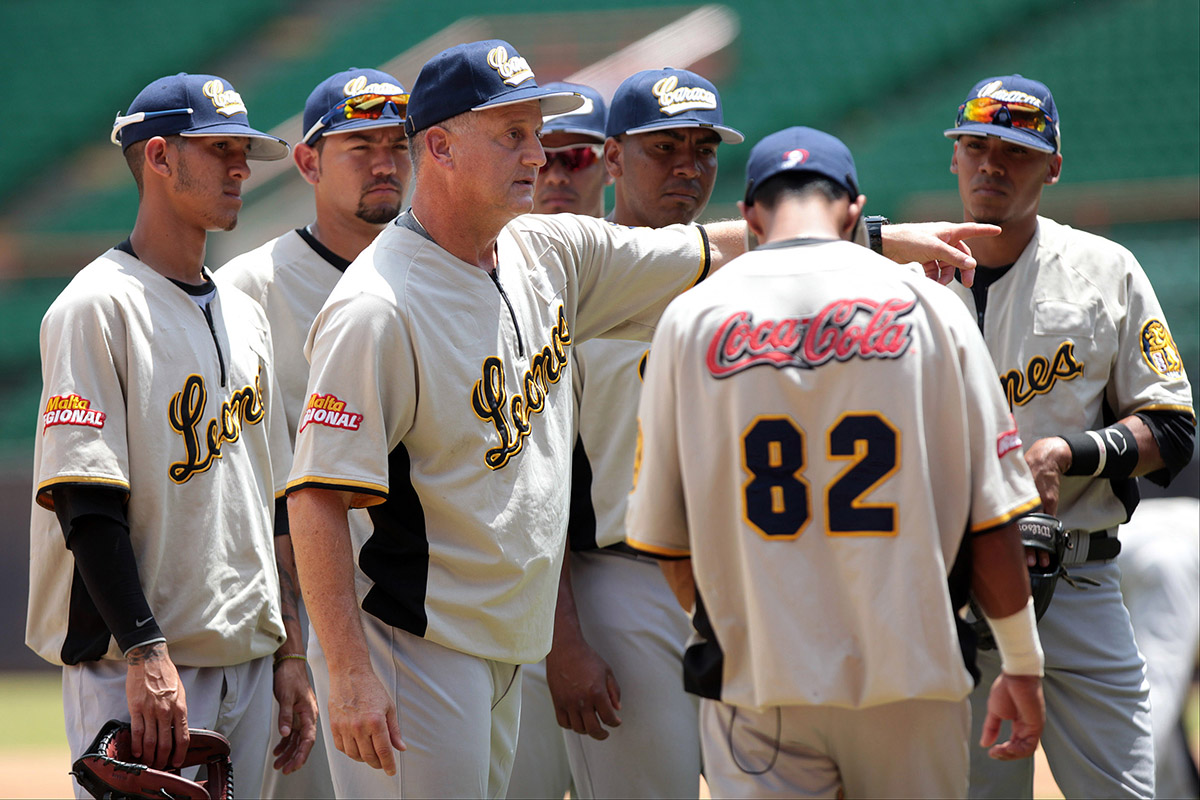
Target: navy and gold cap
[(475, 76), (660, 99), (193, 105)]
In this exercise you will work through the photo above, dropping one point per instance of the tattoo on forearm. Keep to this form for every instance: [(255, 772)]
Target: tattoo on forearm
[(146, 654)]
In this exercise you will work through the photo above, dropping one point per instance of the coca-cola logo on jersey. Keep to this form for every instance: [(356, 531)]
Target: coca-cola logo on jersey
[(842, 330)]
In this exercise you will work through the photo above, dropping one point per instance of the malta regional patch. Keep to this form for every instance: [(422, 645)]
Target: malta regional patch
[(1159, 350), (71, 409), (328, 410)]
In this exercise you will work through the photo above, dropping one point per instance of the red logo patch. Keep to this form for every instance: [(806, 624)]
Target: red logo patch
[(1009, 440), (71, 409), (327, 410), (843, 330)]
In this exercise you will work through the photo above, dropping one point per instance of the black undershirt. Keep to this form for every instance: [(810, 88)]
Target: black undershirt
[(984, 278)]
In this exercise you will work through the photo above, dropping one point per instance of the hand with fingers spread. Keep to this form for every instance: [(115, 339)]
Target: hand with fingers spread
[(583, 688), (363, 718), (297, 714), (1017, 698), (939, 247), (157, 706)]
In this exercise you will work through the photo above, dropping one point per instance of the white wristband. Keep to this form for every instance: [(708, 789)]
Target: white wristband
[(1017, 640)]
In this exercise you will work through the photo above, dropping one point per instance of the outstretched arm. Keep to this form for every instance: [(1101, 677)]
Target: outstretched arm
[(939, 247)]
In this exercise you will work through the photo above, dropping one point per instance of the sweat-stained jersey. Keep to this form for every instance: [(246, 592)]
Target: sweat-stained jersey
[(446, 392), (142, 395), (818, 431), (1080, 341)]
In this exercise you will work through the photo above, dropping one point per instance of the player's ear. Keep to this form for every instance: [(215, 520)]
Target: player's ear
[(308, 161), (751, 215), (853, 215), (613, 158), (438, 145), (156, 158), (954, 159), (1055, 169)]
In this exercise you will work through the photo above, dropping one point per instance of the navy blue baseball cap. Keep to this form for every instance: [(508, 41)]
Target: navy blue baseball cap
[(475, 76), (660, 99), (1012, 108), (193, 105), (800, 150), (587, 120), (326, 108)]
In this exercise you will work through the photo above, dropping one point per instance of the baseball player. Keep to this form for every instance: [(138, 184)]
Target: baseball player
[(1160, 581), (160, 573), (823, 515), (571, 181), (355, 155), (573, 177), (614, 669), (1095, 382)]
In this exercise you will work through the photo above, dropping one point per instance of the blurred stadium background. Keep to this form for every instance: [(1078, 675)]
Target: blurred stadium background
[(886, 77)]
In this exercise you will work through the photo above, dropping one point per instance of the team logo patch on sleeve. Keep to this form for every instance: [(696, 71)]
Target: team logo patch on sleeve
[(1009, 440), (71, 409), (1159, 350), (328, 410)]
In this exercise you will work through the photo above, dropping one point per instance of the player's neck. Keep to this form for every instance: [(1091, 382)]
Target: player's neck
[(1005, 249), (169, 247), (345, 238), (454, 232), (800, 219)]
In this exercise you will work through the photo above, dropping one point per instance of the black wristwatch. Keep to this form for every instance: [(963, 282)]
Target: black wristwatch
[(874, 225)]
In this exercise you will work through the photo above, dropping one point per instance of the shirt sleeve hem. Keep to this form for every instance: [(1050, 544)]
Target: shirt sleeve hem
[(657, 550), (987, 526)]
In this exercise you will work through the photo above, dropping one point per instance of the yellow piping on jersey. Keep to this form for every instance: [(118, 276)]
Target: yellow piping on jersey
[(986, 525), (656, 549), (45, 500), (378, 491)]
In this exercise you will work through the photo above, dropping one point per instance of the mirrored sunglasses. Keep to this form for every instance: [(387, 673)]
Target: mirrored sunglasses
[(359, 106), (990, 111), (573, 157)]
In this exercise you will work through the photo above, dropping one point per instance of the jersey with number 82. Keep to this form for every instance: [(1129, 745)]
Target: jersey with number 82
[(818, 431)]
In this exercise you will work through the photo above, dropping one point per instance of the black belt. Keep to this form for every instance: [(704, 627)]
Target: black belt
[(1100, 547)]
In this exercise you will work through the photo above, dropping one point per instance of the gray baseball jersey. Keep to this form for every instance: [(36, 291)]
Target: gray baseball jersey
[(142, 395), (1079, 341), (849, 431), (439, 388)]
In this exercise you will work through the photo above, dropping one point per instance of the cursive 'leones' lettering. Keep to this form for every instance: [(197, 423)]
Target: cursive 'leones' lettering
[(512, 418), (186, 412)]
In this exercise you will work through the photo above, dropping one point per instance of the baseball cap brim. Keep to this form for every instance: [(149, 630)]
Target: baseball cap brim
[(363, 124), (1016, 135), (263, 146), (552, 102), (728, 135)]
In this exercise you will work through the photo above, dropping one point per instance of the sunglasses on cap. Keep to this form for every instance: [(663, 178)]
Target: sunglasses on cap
[(573, 157), (359, 106), (990, 111), (141, 116)]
